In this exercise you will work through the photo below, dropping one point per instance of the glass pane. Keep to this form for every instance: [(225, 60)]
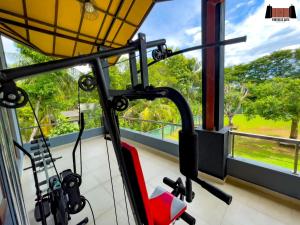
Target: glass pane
[(270, 152)]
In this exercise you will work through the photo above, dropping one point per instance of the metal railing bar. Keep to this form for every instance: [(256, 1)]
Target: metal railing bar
[(265, 137), (151, 121), (266, 156), (232, 146), (294, 142), (296, 159), (125, 118), (54, 124)]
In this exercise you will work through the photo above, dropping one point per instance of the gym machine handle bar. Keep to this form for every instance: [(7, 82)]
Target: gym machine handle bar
[(215, 191), (173, 184), (210, 188)]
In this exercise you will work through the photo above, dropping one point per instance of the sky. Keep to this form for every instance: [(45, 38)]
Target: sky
[(179, 22)]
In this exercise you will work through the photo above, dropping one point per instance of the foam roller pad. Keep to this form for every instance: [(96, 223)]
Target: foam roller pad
[(188, 154)]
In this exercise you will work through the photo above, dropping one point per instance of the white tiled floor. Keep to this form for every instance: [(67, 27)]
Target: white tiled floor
[(249, 207)]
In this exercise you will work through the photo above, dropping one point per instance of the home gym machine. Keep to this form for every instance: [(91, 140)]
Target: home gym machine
[(159, 209), (62, 197)]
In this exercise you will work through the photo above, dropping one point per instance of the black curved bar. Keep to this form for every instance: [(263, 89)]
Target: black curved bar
[(187, 120), (188, 147), (81, 125)]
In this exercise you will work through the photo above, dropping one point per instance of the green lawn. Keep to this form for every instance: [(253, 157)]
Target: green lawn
[(264, 151), (269, 152), (259, 125)]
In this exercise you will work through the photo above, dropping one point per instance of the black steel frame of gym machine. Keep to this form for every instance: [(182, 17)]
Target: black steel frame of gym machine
[(188, 148)]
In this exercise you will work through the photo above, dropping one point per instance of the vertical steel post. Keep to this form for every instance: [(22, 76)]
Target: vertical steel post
[(133, 70), (232, 146), (143, 59), (105, 67), (213, 23), (296, 159), (113, 130)]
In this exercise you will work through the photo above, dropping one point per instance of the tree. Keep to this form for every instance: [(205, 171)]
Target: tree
[(235, 90), (281, 63), (186, 73), (177, 72), (157, 110), (49, 92), (119, 80), (183, 74), (276, 99), (235, 95)]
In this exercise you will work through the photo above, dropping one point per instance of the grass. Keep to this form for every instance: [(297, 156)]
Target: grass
[(258, 125), (264, 151)]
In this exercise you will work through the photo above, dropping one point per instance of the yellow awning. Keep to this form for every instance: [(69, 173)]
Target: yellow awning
[(62, 28)]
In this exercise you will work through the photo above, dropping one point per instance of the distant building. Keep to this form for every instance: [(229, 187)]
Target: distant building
[(73, 115)]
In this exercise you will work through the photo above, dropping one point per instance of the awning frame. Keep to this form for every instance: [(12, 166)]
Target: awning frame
[(55, 30)]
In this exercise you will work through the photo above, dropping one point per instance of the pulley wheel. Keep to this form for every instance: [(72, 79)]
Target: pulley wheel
[(13, 98), (120, 103), (157, 55), (87, 83)]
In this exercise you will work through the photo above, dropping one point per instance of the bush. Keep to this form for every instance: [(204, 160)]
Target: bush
[(63, 127)]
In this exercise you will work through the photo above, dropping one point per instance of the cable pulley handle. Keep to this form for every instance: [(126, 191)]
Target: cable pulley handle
[(82, 123), (215, 191)]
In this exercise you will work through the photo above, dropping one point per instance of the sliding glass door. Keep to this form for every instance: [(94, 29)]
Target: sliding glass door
[(10, 175)]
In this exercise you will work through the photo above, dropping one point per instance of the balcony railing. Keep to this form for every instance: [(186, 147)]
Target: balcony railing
[(277, 151), (158, 129), (162, 130), (90, 123)]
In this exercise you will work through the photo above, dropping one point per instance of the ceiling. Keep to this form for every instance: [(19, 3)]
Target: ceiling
[(60, 28)]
